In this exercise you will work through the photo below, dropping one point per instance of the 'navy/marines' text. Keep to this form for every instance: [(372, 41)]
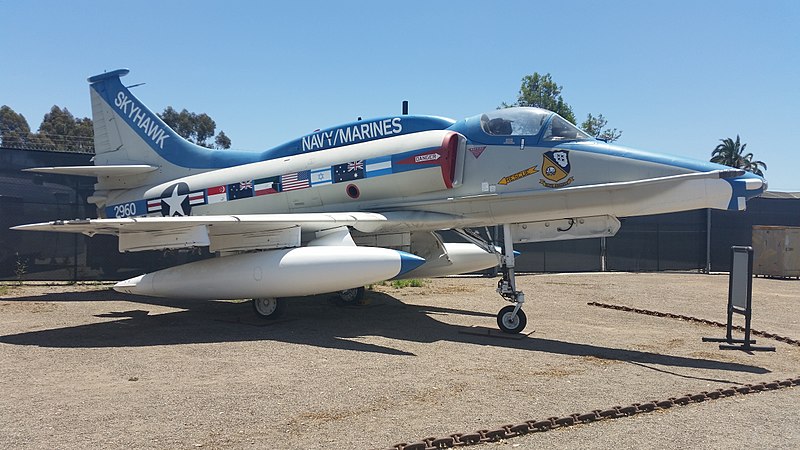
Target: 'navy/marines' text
[(352, 134)]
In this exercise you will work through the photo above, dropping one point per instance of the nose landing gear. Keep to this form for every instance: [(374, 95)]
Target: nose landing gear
[(510, 319)]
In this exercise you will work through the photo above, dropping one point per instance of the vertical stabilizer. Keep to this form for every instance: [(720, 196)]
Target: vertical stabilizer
[(126, 132)]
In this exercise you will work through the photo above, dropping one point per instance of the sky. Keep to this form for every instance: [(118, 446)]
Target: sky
[(674, 76)]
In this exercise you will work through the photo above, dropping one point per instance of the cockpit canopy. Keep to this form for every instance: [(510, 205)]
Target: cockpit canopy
[(529, 122)]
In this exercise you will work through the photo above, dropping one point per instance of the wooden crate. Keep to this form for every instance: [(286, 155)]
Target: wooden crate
[(776, 251)]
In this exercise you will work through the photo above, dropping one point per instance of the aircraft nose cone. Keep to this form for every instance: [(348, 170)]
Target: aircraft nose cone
[(753, 184), (745, 187)]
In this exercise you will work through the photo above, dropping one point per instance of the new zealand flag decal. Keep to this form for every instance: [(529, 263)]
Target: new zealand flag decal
[(243, 189)]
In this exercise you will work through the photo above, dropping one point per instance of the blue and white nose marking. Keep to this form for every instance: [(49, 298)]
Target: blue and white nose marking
[(743, 185)]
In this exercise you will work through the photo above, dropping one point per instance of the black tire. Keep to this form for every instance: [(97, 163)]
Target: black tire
[(509, 324), (353, 296), (268, 307)]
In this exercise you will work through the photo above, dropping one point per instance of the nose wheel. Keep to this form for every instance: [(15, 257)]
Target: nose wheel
[(510, 321)]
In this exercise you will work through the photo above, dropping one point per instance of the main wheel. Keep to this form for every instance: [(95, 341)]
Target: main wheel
[(353, 296), (268, 307), (510, 322)]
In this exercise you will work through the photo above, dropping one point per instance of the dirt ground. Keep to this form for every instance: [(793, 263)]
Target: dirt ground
[(82, 366)]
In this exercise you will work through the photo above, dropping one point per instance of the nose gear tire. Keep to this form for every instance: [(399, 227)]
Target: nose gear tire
[(510, 323)]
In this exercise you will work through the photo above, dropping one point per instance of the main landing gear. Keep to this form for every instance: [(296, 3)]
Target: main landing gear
[(273, 307), (268, 307), (353, 296)]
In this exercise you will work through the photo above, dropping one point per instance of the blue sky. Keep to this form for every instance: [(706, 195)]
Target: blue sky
[(675, 76)]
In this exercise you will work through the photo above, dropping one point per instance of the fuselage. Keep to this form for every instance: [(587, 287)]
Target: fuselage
[(507, 166)]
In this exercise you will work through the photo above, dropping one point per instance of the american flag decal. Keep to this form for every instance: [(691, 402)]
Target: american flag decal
[(297, 180)]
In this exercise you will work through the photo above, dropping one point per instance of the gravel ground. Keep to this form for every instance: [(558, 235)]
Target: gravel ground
[(83, 366)]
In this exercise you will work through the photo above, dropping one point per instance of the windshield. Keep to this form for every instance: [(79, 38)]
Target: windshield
[(514, 121), (560, 129)]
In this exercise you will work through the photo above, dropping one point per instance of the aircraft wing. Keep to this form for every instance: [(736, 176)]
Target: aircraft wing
[(96, 171), (237, 232)]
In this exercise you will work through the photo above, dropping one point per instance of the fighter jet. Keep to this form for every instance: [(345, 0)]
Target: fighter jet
[(362, 202)]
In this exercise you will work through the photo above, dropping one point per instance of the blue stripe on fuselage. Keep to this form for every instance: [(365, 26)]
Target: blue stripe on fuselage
[(173, 148)]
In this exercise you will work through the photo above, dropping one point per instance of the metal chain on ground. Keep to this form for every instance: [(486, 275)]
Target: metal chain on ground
[(534, 426), (615, 412), (648, 312)]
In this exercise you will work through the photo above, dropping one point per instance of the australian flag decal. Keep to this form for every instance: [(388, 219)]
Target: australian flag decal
[(348, 171)]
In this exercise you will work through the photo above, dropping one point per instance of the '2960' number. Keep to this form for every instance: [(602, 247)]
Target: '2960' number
[(125, 210)]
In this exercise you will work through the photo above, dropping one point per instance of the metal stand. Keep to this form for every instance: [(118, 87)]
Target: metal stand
[(740, 300)]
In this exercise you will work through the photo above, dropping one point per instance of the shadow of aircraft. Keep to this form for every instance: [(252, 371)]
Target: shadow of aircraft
[(309, 321)]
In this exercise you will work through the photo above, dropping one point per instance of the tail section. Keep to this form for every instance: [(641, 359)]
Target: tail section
[(125, 131), (127, 134)]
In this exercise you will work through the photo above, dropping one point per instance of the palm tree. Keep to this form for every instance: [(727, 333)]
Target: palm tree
[(731, 153)]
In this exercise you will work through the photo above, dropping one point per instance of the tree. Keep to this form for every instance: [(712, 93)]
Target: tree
[(204, 127), (222, 140), (542, 92), (197, 128), (60, 129), (174, 120), (14, 129), (731, 153), (596, 126)]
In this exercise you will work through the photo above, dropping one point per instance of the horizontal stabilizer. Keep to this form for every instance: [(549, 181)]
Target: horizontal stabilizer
[(97, 171)]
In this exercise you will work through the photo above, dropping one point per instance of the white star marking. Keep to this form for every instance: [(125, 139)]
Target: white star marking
[(175, 201)]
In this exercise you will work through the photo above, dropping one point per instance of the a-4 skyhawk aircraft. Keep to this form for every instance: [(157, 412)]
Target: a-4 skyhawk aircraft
[(360, 203)]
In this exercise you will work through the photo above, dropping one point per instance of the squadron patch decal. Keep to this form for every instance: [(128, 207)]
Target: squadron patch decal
[(556, 167)]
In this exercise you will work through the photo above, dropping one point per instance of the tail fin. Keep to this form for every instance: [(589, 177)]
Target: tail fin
[(126, 132)]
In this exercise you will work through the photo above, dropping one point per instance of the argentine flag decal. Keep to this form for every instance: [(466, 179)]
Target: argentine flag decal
[(379, 166)]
